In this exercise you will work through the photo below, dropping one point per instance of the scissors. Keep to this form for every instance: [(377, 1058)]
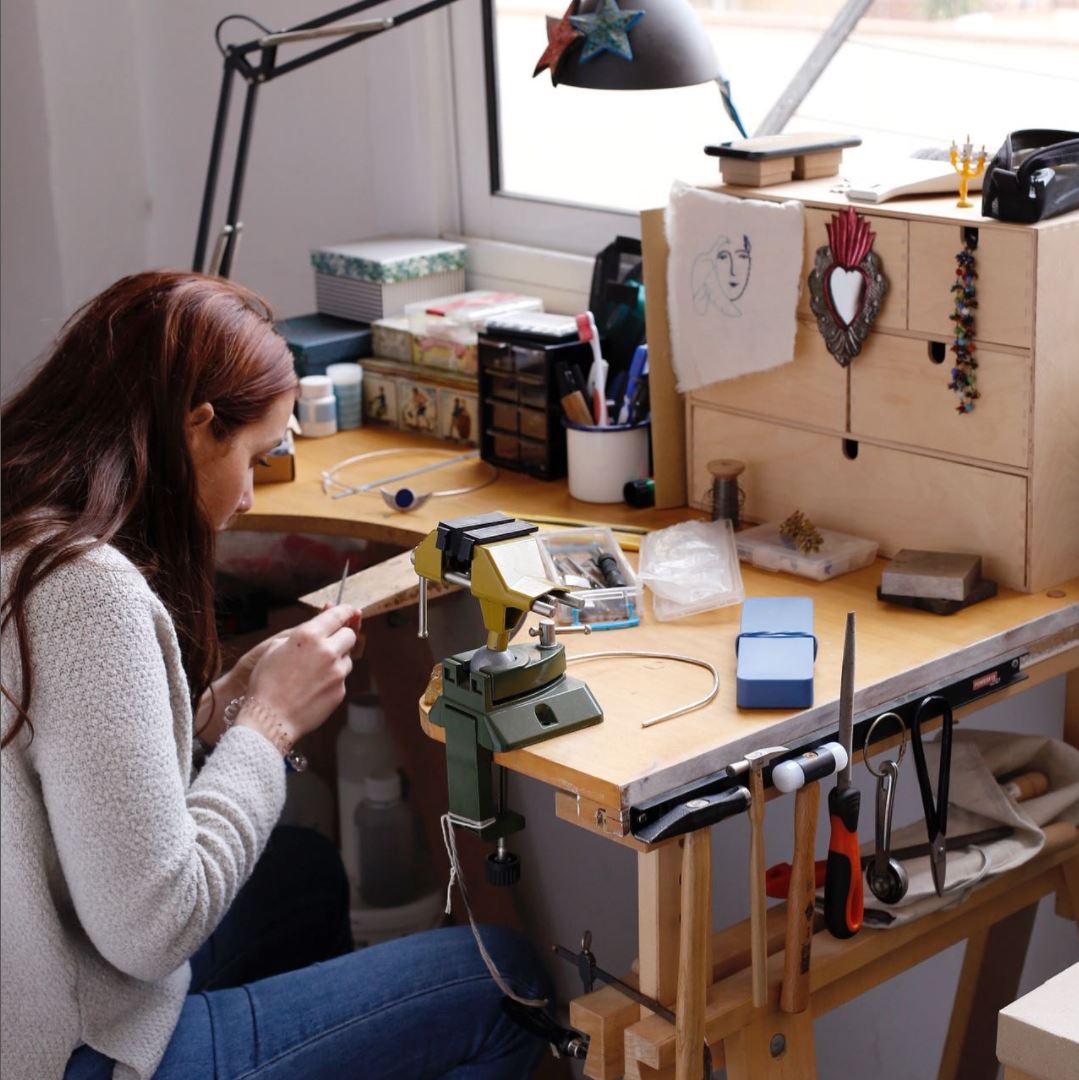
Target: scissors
[(936, 811)]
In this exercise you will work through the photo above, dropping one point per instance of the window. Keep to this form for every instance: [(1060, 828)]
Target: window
[(914, 74)]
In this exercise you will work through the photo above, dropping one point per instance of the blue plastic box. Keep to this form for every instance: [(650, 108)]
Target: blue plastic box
[(319, 340), (776, 649)]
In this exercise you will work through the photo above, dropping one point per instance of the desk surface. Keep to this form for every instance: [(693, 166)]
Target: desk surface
[(617, 763)]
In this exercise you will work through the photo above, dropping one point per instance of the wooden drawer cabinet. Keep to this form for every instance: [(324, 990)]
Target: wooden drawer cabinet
[(878, 449), (896, 498), (1006, 275), (899, 394), (812, 390)]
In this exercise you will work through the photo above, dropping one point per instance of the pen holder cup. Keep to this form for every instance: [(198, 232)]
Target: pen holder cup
[(601, 460)]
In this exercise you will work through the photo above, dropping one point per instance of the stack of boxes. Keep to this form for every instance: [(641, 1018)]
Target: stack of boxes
[(399, 305)]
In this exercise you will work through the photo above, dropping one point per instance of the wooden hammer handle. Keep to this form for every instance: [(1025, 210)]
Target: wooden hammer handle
[(794, 997)]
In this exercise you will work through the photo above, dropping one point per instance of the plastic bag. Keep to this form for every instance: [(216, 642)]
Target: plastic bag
[(691, 567)]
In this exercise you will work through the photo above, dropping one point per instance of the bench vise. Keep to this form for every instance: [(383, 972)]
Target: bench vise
[(498, 697)]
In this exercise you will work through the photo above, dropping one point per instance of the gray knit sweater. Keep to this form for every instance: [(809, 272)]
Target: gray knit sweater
[(116, 865)]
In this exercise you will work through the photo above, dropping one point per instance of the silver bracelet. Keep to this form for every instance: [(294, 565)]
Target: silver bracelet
[(294, 760)]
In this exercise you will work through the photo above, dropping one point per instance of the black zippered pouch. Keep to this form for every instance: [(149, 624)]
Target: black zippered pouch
[(1033, 176)]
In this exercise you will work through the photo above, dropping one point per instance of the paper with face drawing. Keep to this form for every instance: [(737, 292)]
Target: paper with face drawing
[(733, 277)]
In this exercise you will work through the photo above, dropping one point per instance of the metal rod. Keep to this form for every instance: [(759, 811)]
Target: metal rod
[(469, 456), (810, 71), (242, 148), (458, 579), (423, 632), (287, 37), (214, 166)]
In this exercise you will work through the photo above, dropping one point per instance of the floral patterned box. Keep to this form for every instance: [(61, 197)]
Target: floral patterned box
[(387, 259), (446, 345), (391, 338)]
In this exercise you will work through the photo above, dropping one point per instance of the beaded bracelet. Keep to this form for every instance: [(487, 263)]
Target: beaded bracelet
[(274, 729), (964, 381)]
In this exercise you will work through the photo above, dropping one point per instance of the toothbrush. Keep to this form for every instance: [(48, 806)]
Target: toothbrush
[(597, 376)]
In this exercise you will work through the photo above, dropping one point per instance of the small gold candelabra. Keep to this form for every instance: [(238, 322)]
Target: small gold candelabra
[(968, 167)]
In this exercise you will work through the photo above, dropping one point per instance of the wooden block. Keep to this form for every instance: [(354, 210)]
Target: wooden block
[(756, 173), (604, 1016), (811, 166), (931, 575), (1039, 1033)]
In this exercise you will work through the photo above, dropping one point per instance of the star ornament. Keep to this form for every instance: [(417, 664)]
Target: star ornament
[(560, 35), (606, 30)]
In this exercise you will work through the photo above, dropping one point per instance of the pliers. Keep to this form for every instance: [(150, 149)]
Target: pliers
[(936, 811)]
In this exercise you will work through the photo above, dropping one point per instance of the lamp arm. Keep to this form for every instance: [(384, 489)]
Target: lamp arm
[(236, 61)]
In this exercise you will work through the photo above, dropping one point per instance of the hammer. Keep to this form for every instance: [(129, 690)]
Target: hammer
[(753, 763)]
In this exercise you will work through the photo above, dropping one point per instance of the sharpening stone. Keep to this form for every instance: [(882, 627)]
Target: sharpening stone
[(932, 575)]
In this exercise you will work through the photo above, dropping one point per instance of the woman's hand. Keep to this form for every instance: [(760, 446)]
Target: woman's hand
[(300, 675)]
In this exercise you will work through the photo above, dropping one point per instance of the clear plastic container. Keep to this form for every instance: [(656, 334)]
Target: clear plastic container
[(570, 558), (691, 567), (763, 547), (389, 871), (364, 747)]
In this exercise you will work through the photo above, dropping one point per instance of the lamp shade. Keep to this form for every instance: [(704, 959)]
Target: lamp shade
[(670, 48)]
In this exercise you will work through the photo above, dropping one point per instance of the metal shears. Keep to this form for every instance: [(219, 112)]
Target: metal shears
[(936, 810)]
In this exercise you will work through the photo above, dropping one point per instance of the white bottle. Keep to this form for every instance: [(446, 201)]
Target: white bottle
[(364, 746), (387, 843), (316, 408)]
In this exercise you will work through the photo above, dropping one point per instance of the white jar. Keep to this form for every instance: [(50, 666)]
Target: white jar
[(316, 408)]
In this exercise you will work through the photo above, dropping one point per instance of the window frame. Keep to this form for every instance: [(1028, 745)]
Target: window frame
[(486, 210)]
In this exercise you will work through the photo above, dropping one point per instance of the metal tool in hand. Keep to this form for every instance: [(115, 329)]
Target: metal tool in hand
[(341, 587), (936, 810), (885, 875), (843, 876)]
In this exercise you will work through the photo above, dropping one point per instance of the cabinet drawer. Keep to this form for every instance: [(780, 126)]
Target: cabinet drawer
[(890, 244), (897, 498), (898, 393), (811, 390), (1004, 262)]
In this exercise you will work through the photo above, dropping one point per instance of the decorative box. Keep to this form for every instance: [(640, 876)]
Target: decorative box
[(379, 396), (391, 338), (317, 340), (417, 407), (776, 649), (458, 415), (471, 309), (370, 279), (446, 345)]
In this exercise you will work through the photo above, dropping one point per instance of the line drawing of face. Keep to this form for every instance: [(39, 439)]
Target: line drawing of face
[(721, 275)]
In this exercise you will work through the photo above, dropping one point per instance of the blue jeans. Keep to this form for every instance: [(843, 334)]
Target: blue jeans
[(422, 1006)]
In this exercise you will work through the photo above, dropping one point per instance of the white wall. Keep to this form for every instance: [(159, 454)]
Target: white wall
[(108, 110)]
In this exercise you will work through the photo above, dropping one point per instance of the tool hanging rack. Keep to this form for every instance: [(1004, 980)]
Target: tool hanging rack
[(645, 817)]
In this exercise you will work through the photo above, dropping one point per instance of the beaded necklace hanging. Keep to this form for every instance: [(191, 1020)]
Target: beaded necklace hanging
[(963, 378)]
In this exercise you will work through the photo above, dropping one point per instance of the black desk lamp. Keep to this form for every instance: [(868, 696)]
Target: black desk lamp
[(256, 63), (670, 48)]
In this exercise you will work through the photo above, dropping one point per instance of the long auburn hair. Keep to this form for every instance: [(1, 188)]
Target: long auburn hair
[(93, 450)]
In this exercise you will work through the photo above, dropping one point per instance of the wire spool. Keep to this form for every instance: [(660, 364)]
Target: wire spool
[(726, 496)]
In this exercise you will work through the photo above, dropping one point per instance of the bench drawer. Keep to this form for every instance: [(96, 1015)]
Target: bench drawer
[(897, 498), (900, 394)]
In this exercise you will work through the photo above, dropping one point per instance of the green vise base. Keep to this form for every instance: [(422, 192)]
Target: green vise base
[(485, 712)]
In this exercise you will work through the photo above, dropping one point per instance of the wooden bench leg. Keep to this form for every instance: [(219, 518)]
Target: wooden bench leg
[(774, 1046), (695, 950), (992, 965)]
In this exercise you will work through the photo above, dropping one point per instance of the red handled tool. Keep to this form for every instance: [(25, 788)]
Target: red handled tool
[(843, 873)]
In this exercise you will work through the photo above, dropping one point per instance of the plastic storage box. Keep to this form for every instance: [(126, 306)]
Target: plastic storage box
[(763, 547), (570, 559)]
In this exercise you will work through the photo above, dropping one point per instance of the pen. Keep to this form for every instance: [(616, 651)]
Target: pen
[(341, 587), (638, 366)]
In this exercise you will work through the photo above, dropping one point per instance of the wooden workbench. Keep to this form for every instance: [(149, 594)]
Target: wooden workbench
[(599, 772)]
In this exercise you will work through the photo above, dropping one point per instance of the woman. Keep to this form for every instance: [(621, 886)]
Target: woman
[(121, 460)]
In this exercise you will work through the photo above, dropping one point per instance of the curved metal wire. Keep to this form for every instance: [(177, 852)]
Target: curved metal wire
[(646, 655)]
